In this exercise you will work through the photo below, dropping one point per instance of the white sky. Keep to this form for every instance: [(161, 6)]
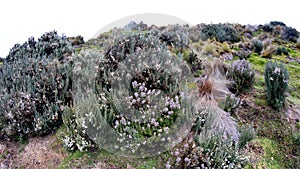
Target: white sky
[(21, 19)]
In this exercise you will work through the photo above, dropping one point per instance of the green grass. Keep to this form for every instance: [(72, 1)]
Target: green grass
[(272, 157), (258, 63), (89, 159), (293, 53)]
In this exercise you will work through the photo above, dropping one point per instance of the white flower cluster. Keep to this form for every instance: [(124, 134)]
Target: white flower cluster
[(148, 112)]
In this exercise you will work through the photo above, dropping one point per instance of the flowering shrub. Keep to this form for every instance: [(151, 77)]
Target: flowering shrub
[(35, 86), (211, 153), (276, 78), (241, 74), (243, 54), (73, 135), (134, 102)]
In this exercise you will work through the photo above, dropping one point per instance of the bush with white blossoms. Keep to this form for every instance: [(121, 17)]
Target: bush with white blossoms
[(132, 100), (276, 78), (241, 74), (214, 152)]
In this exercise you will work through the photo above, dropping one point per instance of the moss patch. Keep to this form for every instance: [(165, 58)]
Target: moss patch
[(272, 158), (258, 63), (91, 159)]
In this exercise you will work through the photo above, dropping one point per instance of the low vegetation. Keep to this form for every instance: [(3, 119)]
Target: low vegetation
[(205, 96)]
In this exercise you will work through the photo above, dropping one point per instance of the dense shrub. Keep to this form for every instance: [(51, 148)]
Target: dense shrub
[(275, 23), (289, 34), (221, 32), (231, 103), (241, 74), (243, 54), (257, 46), (139, 98), (281, 50), (35, 86), (267, 27), (49, 45), (247, 134), (196, 62), (209, 153), (276, 78)]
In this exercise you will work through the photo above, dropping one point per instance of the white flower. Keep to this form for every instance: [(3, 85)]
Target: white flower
[(166, 129), (168, 166), (277, 70), (143, 94), (271, 79), (134, 84), (187, 160)]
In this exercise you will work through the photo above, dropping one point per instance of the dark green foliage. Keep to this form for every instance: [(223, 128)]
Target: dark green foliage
[(231, 103), (241, 74), (196, 62), (34, 86), (281, 50), (169, 38), (247, 134), (276, 78), (296, 139), (268, 27), (49, 45), (257, 46), (221, 32), (75, 41), (275, 23), (289, 34)]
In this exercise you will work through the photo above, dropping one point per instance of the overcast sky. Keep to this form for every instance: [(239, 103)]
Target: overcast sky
[(21, 19)]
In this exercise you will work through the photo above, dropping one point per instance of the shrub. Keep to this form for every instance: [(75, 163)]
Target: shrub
[(241, 74), (139, 98), (49, 45), (35, 86), (296, 139), (73, 135), (231, 103), (196, 62), (209, 153), (281, 50), (243, 54), (276, 78), (289, 34), (247, 134), (267, 27), (275, 23), (257, 45), (221, 32)]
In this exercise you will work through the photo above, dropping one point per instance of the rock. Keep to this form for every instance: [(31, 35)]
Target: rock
[(293, 113)]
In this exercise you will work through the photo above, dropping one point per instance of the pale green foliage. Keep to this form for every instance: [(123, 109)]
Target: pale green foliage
[(276, 78)]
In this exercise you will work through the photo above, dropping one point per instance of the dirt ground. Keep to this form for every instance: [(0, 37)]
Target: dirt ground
[(40, 152)]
